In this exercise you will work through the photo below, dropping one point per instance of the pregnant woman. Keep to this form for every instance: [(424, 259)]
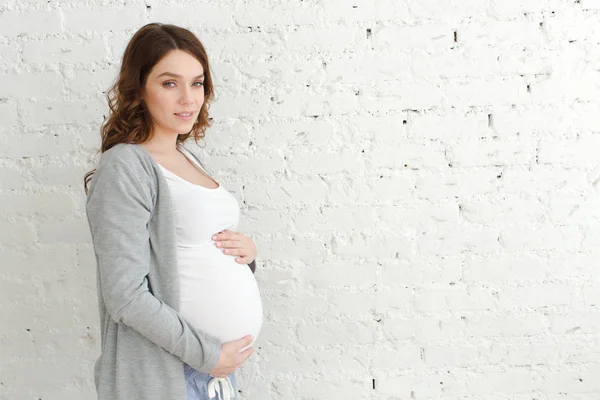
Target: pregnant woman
[(179, 306)]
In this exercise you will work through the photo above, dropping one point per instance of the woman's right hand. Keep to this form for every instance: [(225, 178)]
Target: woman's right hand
[(230, 359)]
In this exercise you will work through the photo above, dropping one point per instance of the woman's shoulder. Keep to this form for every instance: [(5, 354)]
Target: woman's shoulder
[(126, 160), (124, 151), (123, 178), (130, 155)]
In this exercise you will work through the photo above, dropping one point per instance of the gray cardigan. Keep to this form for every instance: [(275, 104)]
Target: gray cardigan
[(145, 340)]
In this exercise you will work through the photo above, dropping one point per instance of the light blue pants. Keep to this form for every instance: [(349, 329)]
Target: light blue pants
[(197, 385)]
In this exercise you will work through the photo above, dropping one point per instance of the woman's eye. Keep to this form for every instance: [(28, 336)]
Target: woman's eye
[(167, 84)]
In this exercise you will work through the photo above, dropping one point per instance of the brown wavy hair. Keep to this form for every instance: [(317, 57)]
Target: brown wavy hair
[(129, 121)]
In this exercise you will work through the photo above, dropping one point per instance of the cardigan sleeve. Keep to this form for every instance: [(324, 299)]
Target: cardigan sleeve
[(119, 208)]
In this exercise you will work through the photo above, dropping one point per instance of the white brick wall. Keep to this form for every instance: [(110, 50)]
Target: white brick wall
[(422, 179)]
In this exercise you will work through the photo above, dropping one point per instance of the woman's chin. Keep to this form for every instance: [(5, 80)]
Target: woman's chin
[(183, 130)]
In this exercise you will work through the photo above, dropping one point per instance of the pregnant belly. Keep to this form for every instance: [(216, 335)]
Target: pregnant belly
[(218, 295)]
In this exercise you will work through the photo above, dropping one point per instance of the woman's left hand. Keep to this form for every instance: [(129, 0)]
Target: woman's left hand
[(236, 244)]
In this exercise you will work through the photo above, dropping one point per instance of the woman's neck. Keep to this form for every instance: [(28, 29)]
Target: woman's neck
[(161, 144)]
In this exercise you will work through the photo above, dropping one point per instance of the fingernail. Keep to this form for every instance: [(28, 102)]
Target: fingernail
[(214, 237)]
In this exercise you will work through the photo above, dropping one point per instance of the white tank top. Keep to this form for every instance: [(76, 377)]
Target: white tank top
[(218, 295)]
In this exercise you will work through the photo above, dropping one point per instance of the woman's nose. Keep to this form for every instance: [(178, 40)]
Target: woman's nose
[(186, 96)]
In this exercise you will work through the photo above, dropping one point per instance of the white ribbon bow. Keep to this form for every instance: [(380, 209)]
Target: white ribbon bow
[(213, 391)]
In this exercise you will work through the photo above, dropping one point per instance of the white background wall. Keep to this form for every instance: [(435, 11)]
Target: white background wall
[(422, 178)]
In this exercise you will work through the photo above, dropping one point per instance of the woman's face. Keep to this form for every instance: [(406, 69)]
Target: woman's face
[(174, 86)]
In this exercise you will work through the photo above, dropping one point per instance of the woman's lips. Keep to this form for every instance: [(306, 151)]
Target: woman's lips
[(185, 116)]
